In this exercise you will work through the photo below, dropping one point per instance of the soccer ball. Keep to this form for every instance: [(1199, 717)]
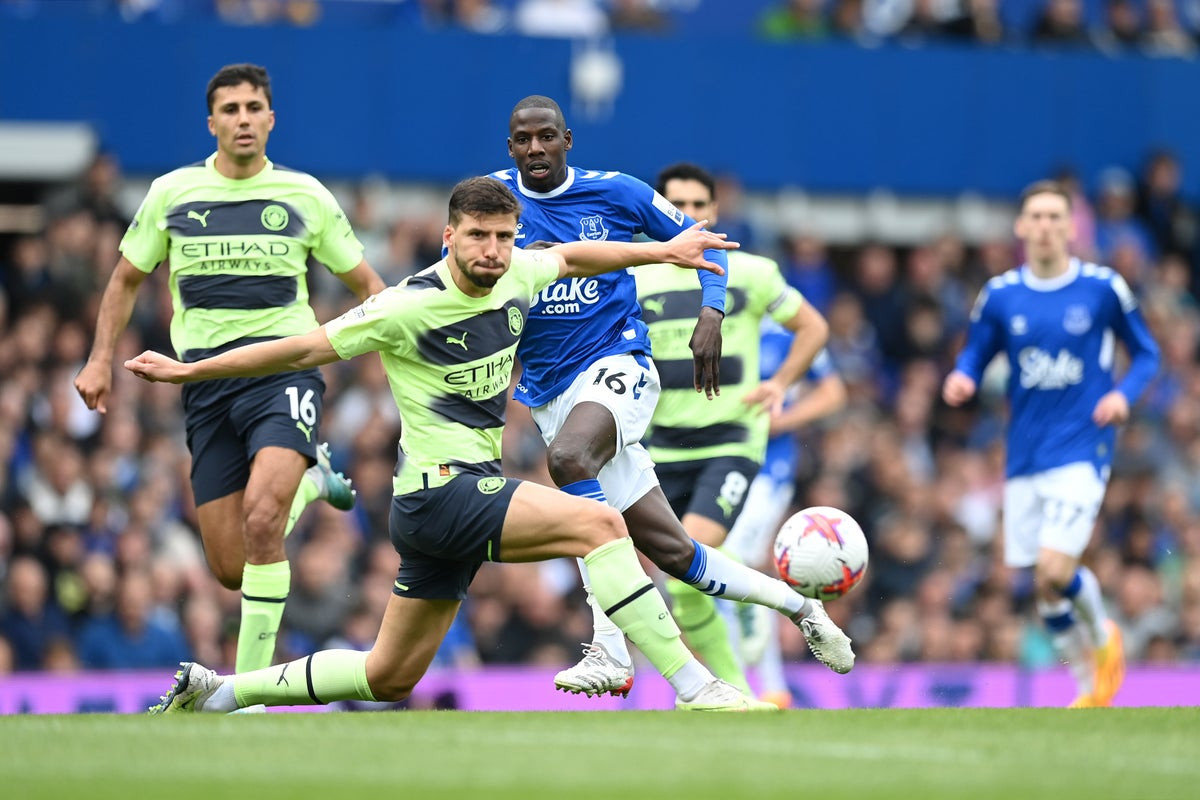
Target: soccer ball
[(821, 552)]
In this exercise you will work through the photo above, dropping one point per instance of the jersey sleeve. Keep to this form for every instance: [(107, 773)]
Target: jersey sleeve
[(780, 300), (378, 323), (1130, 326), (538, 267), (984, 336), (146, 242), (336, 246)]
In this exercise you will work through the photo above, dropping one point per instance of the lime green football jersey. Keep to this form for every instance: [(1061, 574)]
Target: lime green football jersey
[(687, 426), (238, 251), (449, 360)]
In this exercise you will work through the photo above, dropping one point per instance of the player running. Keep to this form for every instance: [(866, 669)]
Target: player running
[(237, 233), (1057, 319)]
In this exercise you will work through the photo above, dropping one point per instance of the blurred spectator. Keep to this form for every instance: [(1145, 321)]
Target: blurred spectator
[(980, 22), (1120, 30), (269, 12), (853, 344), (927, 20), (1162, 208), (636, 16), (31, 621), (566, 19), (1061, 24), (56, 487), (806, 267), (793, 19), (1083, 216), (1117, 227), (1140, 610), (1164, 36), (94, 193), (322, 596), (477, 16), (133, 636), (846, 20), (876, 282)]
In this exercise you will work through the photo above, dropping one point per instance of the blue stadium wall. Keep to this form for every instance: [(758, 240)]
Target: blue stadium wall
[(420, 106)]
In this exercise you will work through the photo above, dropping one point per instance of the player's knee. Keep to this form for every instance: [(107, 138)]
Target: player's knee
[(603, 524), (264, 522), (388, 692), (388, 686), (1050, 578), (568, 464)]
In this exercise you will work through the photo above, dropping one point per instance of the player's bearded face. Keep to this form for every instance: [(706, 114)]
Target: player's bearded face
[(482, 248)]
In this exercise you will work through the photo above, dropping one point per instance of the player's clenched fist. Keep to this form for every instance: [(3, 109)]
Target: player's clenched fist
[(958, 388)]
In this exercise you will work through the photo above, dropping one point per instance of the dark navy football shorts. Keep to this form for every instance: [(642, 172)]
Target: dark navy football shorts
[(229, 420), (714, 488), (444, 534)]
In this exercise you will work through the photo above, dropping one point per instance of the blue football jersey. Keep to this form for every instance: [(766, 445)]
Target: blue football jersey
[(783, 451), (1060, 338), (575, 321)]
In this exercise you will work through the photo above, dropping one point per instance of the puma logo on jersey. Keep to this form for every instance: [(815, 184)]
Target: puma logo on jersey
[(201, 218), (461, 342), (654, 305), (307, 431)]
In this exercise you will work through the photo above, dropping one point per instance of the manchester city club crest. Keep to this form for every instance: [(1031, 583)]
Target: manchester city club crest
[(491, 485), (592, 229), (515, 321), (274, 217)]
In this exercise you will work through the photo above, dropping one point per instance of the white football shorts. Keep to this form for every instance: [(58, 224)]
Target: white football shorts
[(1055, 509), (627, 385)]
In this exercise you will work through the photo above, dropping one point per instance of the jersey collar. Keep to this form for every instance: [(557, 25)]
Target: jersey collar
[(562, 187), (1050, 284), (211, 164)]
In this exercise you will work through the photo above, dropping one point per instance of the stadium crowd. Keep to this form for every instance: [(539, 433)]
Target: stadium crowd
[(1161, 28), (100, 565)]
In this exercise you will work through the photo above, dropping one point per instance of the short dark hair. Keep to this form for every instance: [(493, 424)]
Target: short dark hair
[(685, 171), (481, 197), (237, 74), (541, 101), (1044, 187)]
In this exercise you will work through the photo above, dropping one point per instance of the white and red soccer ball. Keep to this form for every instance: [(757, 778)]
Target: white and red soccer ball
[(821, 552)]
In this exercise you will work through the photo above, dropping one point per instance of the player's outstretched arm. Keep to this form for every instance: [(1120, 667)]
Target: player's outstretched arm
[(583, 259), (958, 388), (263, 358)]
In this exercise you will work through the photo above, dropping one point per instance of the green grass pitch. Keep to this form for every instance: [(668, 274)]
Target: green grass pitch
[(965, 754)]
